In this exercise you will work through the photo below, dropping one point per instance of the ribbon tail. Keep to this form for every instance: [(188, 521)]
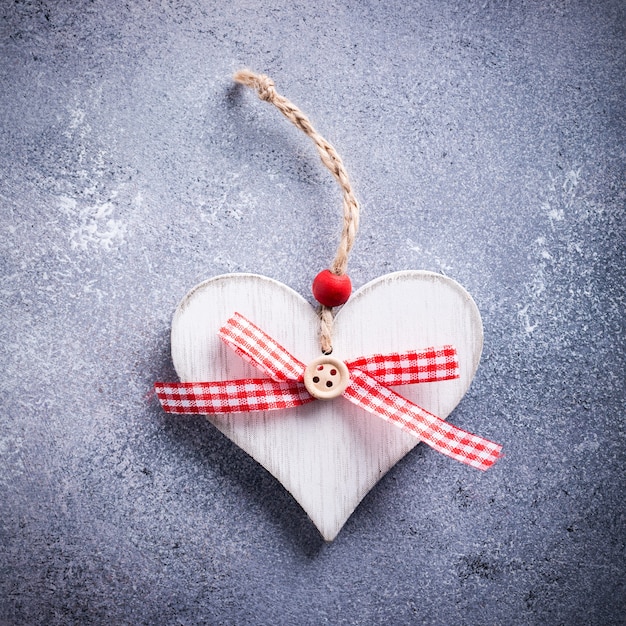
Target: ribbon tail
[(405, 368), (231, 396), (259, 349), (369, 394)]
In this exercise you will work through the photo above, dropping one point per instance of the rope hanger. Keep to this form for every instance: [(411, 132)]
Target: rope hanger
[(264, 86)]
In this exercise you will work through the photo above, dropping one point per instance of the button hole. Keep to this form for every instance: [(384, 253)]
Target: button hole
[(316, 379), (329, 383)]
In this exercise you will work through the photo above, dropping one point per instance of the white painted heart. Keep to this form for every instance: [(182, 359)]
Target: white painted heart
[(328, 454)]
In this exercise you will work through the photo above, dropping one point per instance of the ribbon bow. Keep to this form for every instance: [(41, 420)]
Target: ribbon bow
[(367, 388)]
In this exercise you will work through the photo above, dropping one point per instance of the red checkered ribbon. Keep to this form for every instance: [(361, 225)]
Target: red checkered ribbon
[(369, 377)]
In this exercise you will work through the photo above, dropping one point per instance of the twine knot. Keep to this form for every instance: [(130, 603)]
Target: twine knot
[(261, 83), (265, 88)]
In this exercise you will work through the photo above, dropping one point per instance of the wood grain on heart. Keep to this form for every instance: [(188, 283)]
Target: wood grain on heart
[(328, 454)]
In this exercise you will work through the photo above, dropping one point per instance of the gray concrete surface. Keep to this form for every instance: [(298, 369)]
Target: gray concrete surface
[(485, 141)]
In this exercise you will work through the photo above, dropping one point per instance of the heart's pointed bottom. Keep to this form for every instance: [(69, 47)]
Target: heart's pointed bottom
[(329, 494)]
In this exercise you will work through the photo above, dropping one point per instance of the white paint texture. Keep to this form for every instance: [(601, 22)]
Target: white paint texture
[(328, 454)]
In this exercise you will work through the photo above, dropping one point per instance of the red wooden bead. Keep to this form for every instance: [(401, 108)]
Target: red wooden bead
[(330, 289)]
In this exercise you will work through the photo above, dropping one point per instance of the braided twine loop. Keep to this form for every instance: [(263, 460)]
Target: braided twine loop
[(264, 86)]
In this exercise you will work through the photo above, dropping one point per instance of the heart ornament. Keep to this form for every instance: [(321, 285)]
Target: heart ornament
[(313, 395), (328, 454)]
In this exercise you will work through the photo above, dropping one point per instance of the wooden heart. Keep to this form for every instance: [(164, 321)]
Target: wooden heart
[(328, 454)]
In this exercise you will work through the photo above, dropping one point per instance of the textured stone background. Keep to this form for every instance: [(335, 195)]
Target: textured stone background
[(485, 141)]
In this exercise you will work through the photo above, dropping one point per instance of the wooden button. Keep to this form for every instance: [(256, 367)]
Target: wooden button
[(326, 378)]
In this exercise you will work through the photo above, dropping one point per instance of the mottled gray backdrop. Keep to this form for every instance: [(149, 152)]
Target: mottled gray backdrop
[(486, 141)]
